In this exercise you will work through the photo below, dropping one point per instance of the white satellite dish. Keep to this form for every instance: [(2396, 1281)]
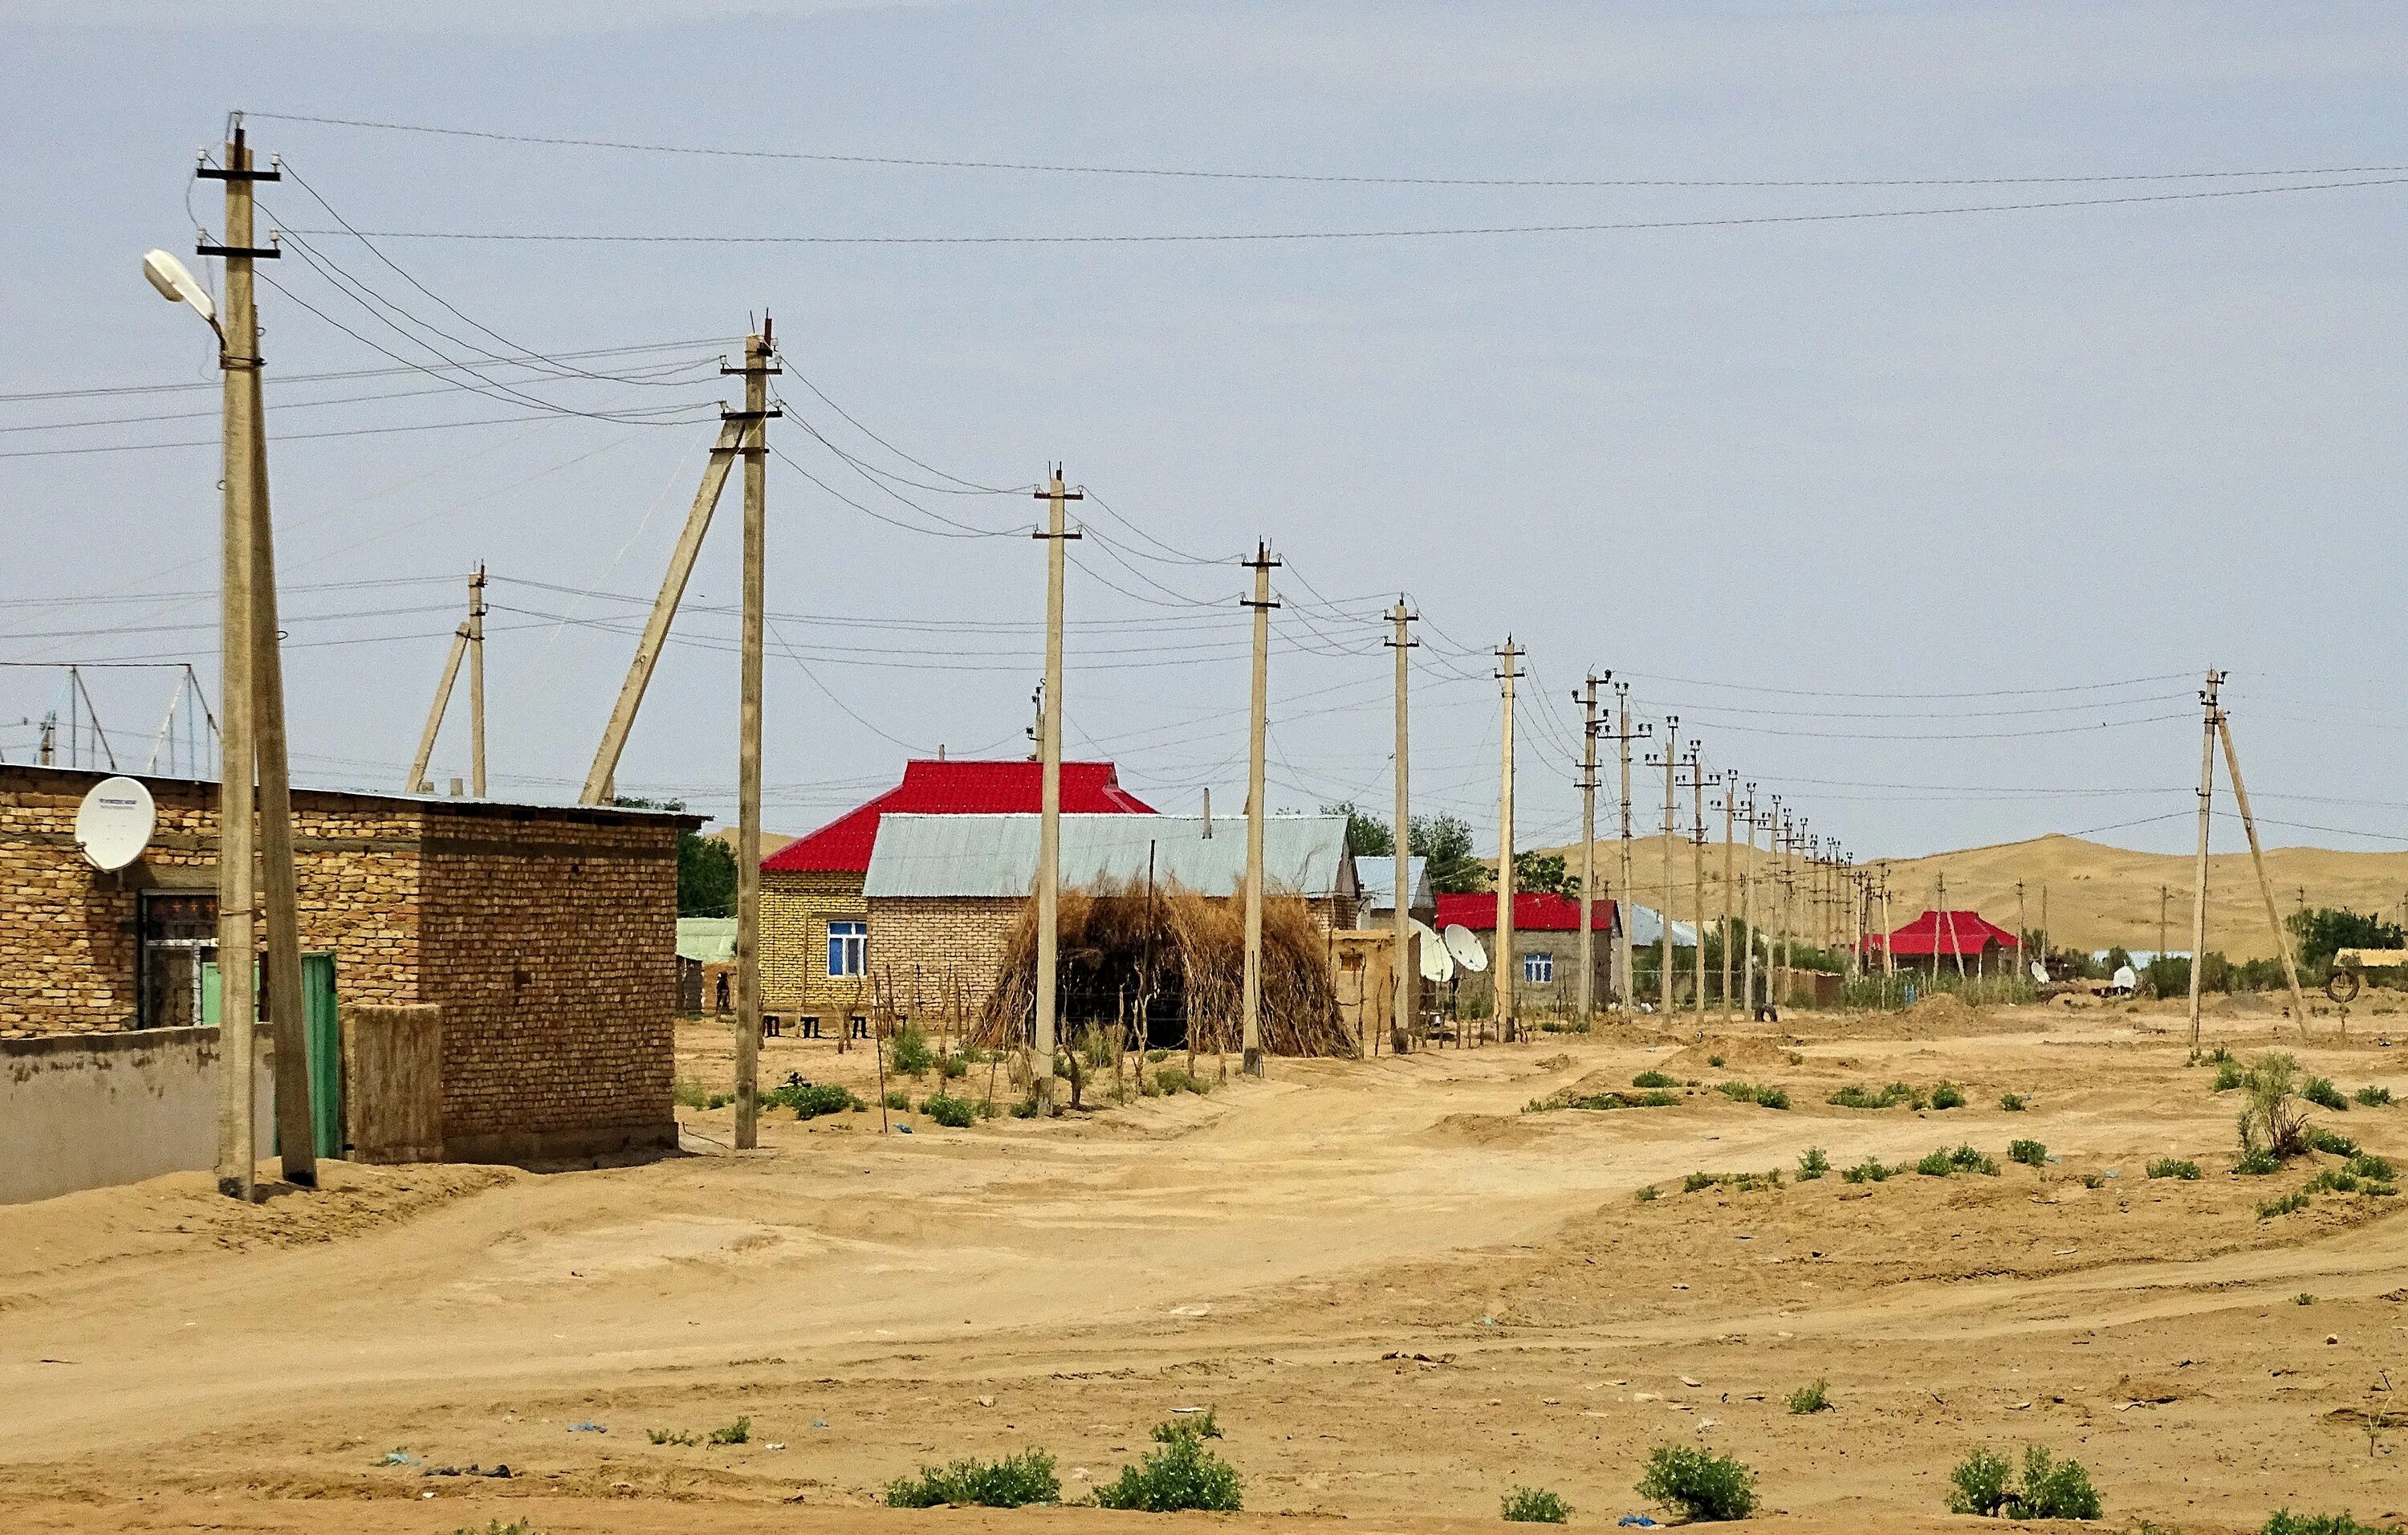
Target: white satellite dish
[(1465, 948), (1437, 965), (2040, 972), (114, 824)]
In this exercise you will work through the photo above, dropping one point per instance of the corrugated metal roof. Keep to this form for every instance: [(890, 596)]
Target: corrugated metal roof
[(1379, 877), (710, 940), (959, 786), (1647, 927), (996, 856)]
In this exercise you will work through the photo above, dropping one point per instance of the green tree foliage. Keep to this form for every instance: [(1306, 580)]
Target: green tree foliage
[(1367, 835), (706, 865), (2317, 935), (1445, 842), (1543, 873)]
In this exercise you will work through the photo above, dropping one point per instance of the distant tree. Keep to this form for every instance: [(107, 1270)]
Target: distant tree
[(1543, 873), (2318, 935), (1445, 842), (2117, 958), (706, 864), (1367, 835)]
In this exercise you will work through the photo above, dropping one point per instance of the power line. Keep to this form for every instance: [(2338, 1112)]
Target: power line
[(99, 391)]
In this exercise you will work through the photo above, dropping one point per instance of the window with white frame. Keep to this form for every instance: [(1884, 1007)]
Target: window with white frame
[(1538, 967), (848, 948)]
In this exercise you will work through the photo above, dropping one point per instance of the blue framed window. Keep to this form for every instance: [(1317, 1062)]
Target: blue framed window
[(848, 948), (1538, 968)]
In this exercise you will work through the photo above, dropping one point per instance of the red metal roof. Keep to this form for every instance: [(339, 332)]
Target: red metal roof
[(1950, 932), (1532, 912), (946, 787)]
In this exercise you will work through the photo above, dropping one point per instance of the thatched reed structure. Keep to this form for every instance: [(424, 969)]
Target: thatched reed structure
[(1169, 968)]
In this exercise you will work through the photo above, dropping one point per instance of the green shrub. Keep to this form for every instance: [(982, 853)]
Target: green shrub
[(1814, 1396), (1772, 1097), (690, 1094), (1969, 1161), (2256, 1164), (739, 1432), (1696, 1181), (2331, 1142), (1178, 1079), (2324, 1095), (1812, 1165), (2372, 1097), (1868, 1170), (2227, 1075), (1603, 1101), (1182, 1475), (1014, 1482), (954, 1066), (1714, 1061), (2288, 1204), (2012, 1102), (909, 1052), (2031, 1154), (810, 1102), (1652, 1079), (2338, 1180), (2051, 1489), (2285, 1522), (1947, 1096), (1648, 1195), (2271, 1118), (2168, 1167), (2303, 1298), (1025, 1109), (669, 1436), (1534, 1506), (1937, 1165), (951, 1112), (2368, 1164), (1854, 1097), (898, 1100), (1705, 1487), (1740, 1090)]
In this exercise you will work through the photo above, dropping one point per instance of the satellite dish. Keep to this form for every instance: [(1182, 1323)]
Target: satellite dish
[(1465, 948), (114, 824), (1437, 965), (2040, 972)]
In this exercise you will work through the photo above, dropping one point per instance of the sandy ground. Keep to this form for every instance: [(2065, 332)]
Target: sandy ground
[(1402, 1294)]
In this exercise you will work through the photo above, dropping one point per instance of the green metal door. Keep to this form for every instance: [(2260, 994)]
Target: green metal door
[(321, 1032)]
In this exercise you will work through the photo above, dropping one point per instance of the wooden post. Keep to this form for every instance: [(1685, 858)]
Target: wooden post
[(1505, 961), (477, 681), (2258, 857), (599, 778), (758, 351), (417, 782), (1057, 535), (2199, 870), (1408, 975), (1587, 994), (1257, 807)]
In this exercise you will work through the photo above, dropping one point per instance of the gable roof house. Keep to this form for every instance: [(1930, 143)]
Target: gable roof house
[(814, 926), (1546, 946)]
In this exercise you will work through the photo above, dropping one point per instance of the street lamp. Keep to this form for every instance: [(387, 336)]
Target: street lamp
[(177, 285)]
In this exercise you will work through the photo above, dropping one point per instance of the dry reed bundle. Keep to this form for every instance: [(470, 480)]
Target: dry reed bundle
[(1178, 958)]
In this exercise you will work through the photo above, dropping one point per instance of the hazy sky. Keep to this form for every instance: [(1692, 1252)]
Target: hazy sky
[(1879, 505)]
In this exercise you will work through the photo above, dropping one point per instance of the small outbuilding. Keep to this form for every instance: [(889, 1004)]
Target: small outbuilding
[(1949, 936)]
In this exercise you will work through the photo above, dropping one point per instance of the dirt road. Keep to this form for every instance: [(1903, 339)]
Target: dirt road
[(1402, 1293)]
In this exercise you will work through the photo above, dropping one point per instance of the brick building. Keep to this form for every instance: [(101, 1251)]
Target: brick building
[(1546, 949), (814, 920), (546, 934)]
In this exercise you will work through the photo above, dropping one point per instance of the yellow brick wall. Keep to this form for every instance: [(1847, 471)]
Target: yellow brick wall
[(937, 943), (795, 911)]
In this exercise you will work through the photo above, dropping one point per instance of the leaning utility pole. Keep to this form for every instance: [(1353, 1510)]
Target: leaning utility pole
[(753, 420), (2258, 857), (1628, 891), (417, 783), (2199, 874), (1672, 763), (1505, 960), (1730, 825), (1056, 534), (1408, 975), (1256, 791), (1587, 700)]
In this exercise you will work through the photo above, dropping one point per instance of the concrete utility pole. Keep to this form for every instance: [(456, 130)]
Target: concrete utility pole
[(600, 778), (1256, 791), (1696, 883), (2198, 873), (1628, 890), (1057, 535), (418, 782), (1407, 976), (254, 744), (2164, 894), (1672, 763), (477, 681), (1586, 697), (2258, 857), (1730, 826), (754, 421), (1788, 894), (1889, 959), (1505, 961), (1747, 911), (2019, 926)]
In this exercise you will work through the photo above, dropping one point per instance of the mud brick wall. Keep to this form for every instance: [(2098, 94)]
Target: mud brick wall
[(796, 908), (548, 937), (960, 935)]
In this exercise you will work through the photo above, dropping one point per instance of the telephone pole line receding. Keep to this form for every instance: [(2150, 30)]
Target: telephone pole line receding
[(1586, 698), (1261, 565), (1730, 826), (753, 420), (1672, 765), (1056, 534), (1696, 883), (1408, 974), (2198, 868), (1505, 960), (1628, 890)]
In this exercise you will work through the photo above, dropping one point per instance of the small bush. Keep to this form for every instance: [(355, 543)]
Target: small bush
[(1014, 1481), (1600, 1102), (739, 1432), (1812, 1165), (690, 1094), (1652, 1079), (1743, 1090), (1182, 1475), (1696, 1181), (2324, 1095), (1869, 1170), (1705, 1487), (2227, 1075), (2338, 1180), (2331, 1142), (951, 1112), (669, 1436), (1937, 1165), (2371, 1098), (2368, 1164), (1854, 1097), (2303, 1298), (2051, 1489), (1814, 1396), (1714, 1061), (2094, 1180), (1947, 1095), (1772, 1097), (1178, 1079), (2012, 1102), (898, 1100), (1025, 1109), (1648, 1195), (2031, 1154), (810, 1102), (2168, 1167), (1535, 1506), (952, 1067), (2256, 1164), (2285, 1522), (909, 1053), (2288, 1204), (2272, 1117), (1156, 1056), (1969, 1161)]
